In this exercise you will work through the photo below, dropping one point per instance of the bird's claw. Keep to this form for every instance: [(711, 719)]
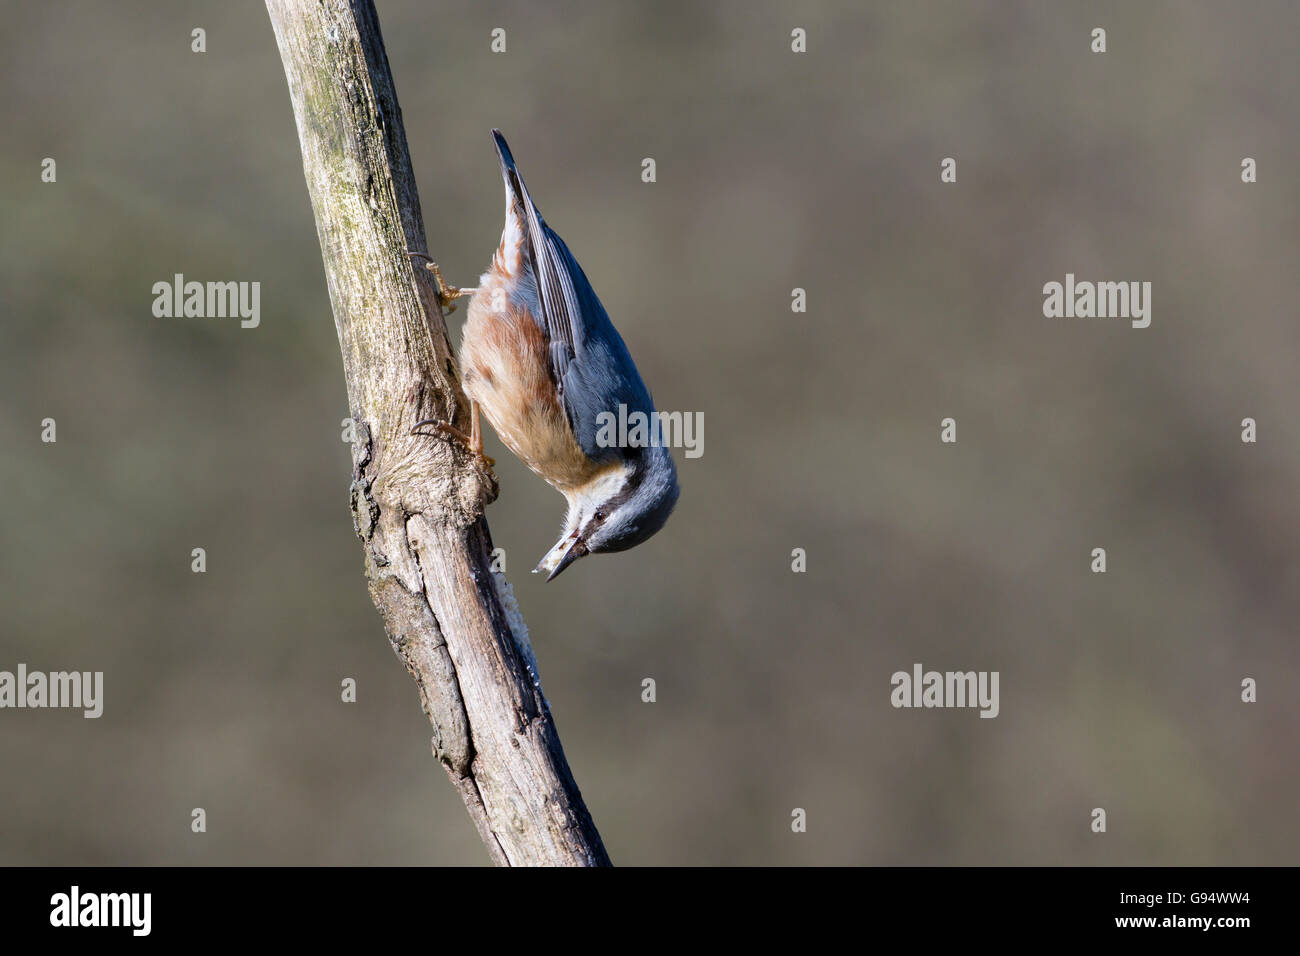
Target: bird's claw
[(445, 428), (447, 294)]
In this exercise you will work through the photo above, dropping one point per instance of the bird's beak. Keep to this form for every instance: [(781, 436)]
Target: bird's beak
[(566, 551)]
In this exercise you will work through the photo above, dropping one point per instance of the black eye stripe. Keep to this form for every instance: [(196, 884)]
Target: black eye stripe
[(623, 496)]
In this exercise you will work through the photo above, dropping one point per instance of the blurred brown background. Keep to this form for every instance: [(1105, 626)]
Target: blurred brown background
[(775, 170)]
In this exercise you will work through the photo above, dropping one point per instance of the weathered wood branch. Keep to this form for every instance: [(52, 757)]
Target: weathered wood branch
[(418, 500)]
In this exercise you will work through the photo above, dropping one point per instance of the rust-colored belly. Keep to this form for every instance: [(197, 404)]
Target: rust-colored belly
[(503, 357)]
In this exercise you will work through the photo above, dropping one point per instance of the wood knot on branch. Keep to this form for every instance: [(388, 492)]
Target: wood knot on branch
[(432, 475)]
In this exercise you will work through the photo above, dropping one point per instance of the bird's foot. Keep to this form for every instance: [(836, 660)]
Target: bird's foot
[(475, 448), (447, 294)]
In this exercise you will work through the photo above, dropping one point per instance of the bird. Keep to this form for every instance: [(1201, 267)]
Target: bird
[(542, 360)]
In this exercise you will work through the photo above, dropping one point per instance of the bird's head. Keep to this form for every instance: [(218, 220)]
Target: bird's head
[(617, 510)]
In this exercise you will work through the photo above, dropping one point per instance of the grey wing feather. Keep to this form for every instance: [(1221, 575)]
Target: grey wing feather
[(560, 308), (601, 375), (592, 368)]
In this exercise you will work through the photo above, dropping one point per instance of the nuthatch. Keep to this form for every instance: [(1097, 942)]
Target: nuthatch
[(541, 358)]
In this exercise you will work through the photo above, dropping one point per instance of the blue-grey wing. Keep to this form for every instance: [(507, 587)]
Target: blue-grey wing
[(559, 306), (589, 360)]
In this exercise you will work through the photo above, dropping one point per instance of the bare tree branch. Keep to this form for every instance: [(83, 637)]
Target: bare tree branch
[(418, 501)]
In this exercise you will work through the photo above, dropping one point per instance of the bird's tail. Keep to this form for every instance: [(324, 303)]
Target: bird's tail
[(516, 191)]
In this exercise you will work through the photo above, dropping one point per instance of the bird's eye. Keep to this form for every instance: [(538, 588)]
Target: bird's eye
[(600, 514)]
